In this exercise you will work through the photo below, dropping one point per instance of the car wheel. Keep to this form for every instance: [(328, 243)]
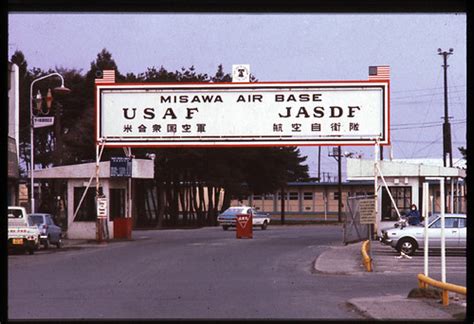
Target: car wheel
[(225, 227), (59, 244), (264, 225), (407, 246)]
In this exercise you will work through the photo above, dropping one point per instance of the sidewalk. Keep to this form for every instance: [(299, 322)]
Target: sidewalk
[(347, 260), (81, 243)]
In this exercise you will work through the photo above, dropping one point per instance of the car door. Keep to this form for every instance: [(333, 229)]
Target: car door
[(451, 233), (53, 229), (462, 233)]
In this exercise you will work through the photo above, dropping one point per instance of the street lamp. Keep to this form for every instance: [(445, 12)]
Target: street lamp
[(38, 101)]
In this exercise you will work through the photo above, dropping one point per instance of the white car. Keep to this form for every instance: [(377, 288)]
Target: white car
[(408, 238), (228, 217)]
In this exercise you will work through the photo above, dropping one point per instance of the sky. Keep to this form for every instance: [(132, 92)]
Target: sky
[(279, 47)]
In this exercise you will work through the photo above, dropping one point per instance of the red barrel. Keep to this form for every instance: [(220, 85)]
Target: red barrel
[(243, 225)]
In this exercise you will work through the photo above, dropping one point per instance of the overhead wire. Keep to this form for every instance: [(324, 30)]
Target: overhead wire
[(425, 89), (425, 115)]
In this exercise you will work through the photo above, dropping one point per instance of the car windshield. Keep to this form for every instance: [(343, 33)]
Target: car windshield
[(36, 219), (30, 221), (14, 213), (232, 211), (430, 219)]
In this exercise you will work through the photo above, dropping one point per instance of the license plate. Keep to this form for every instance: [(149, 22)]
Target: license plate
[(17, 241)]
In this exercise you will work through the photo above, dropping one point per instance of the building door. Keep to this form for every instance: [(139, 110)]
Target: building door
[(117, 203)]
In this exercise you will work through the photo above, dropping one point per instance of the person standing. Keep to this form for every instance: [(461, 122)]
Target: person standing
[(414, 215)]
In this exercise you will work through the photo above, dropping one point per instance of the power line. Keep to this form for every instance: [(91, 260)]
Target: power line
[(429, 123), (427, 126), (427, 94), (422, 126), (426, 89), (423, 142)]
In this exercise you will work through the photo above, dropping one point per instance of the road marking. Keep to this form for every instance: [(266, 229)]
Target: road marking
[(388, 260)]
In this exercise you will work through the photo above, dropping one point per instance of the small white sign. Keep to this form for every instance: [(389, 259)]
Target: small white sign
[(241, 73), (43, 121), (367, 211), (101, 207)]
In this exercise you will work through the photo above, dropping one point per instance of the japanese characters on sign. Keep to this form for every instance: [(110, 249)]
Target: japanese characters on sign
[(120, 167), (367, 211), (42, 121), (102, 207), (336, 113)]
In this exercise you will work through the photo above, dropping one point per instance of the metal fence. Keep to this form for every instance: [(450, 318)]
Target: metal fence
[(353, 230)]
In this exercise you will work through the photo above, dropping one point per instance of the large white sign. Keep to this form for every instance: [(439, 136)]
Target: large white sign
[(243, 114)]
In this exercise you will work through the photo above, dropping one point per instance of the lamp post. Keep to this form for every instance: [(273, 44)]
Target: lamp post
[(38, 101)]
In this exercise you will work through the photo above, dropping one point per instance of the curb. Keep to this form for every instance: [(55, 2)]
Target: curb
[(329, 262), (398, 307)]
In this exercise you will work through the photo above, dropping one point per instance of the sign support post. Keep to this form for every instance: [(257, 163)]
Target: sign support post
[(101, 220), (425, 216), (368, 216), (376, 168), (128, 153)]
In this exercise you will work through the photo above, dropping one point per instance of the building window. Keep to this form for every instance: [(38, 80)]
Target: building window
[(87, 212), (401, 196), (294, 195), (257, 197), (285, 195), (308, 196), (336, 195), (268, 197)]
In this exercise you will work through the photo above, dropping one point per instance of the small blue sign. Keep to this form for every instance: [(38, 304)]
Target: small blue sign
[(120, 167)]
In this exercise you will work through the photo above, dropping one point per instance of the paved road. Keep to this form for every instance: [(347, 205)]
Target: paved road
[(388, 260), (202, 273)]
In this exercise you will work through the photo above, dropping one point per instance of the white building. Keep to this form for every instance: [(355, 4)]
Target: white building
[(404, 179), (82, 224)]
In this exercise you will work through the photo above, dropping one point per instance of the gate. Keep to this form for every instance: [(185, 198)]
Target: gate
[(353, 230)]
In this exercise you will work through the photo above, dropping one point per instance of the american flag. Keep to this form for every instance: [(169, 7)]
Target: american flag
[(108, 76), (379, 72)]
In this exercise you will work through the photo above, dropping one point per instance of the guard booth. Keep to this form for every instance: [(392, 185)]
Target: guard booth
[(115, 186)]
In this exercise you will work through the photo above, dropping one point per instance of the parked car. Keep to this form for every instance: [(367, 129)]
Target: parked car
[(228, 217), (50, 233), (22, 233), (408, 238)]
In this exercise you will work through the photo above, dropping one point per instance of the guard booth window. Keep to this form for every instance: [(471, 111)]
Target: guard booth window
[(117, 203), (403, 199), (87, 212)]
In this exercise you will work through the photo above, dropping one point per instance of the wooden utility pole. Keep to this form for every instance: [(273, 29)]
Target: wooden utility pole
[(447, 149), (336, 154)]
